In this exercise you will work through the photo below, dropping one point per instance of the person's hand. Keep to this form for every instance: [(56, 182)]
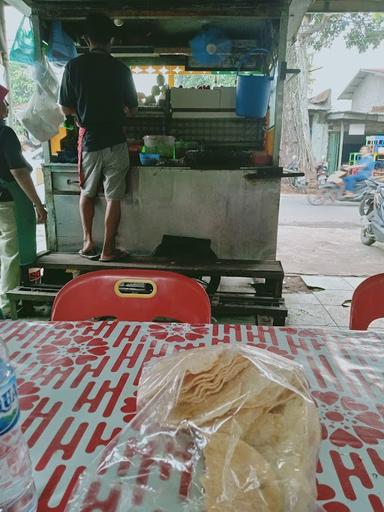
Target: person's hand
[(41, 214)]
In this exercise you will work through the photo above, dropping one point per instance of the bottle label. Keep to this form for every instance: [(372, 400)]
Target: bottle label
[(9, 406)]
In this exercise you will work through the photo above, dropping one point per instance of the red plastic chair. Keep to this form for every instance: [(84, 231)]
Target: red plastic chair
[(367, 303), (137, 295)]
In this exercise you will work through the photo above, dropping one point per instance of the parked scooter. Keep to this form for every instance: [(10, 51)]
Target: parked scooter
[(299, 183), (322, 172), (333, 190), (372, 222), (366, 205)]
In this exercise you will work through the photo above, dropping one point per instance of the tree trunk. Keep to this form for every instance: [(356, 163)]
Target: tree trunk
[(296, 137)]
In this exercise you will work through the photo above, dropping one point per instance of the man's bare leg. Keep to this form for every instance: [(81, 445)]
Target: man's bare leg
[(87, 212), (111, 224)]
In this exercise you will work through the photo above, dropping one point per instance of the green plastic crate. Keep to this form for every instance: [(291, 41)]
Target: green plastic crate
[(353, 158)]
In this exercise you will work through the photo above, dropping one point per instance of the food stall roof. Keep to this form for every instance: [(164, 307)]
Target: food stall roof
[(158, 8), (154, 8), (165, 27), (162, 24)]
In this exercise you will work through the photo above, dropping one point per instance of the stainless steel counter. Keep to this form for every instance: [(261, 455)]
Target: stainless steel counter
[(236, 209)]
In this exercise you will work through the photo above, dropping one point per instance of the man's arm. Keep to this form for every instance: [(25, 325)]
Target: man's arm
[(131, 112), (364, 164), (67, 99), (23, 178), (131, 102)]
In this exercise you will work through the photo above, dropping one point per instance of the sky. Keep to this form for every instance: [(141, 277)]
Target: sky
[(13, 18), (338, 64)]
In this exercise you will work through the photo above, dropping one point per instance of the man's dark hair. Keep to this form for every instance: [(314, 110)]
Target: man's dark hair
[(99, 28)]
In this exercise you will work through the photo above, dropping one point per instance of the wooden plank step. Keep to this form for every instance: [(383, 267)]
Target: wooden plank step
[(243, 297), (250, 308), (236, 268), (277, 313), (33, 293), (227, 303)]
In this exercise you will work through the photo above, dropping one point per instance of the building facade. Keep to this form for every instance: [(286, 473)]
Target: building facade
[(337, 134)]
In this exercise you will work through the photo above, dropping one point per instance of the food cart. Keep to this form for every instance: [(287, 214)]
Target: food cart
[(236, 208), (225, 193)]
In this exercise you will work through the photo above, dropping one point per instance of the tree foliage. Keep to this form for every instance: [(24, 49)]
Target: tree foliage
[(22, 86), (359, 30), (212, 80)]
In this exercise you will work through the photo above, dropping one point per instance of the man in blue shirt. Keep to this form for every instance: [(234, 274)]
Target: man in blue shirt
[(366, 166)]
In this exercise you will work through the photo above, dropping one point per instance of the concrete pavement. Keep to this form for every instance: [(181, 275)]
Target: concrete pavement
[(324, 240)]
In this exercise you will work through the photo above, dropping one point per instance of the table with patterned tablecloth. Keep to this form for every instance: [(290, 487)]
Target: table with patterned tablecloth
[(78, 381)]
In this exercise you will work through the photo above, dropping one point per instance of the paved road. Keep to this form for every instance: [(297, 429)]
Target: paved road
[(324, 240)]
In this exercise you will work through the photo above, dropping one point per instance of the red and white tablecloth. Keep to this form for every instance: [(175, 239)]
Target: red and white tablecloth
[(77, 385)]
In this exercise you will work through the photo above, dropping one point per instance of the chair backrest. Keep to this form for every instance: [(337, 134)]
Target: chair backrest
[(367, 303), (137, 295)]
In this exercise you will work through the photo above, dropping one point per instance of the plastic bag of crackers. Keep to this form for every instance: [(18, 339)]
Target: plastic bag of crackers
[(224, 429)]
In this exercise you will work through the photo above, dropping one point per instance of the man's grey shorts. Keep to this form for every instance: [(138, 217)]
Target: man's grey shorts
[(110, 165)]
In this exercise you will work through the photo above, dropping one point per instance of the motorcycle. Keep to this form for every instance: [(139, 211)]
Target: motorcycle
[(366, 205), (322, 172), (333, 190), (372, 220), (299, 183)]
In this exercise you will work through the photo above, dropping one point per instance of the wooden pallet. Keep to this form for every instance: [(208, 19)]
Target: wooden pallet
[(266, 310), (264, 303), (270, 271)]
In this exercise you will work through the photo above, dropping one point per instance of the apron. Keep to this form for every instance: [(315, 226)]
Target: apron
[(25, 221), (80, 139)]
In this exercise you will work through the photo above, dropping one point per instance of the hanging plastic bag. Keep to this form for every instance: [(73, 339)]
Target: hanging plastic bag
[(24, 49), (224, 428), (61, 47), (46, 79), (42, 117)]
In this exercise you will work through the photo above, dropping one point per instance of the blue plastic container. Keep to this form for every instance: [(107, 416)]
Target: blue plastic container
[(149, 158), (252, 90)]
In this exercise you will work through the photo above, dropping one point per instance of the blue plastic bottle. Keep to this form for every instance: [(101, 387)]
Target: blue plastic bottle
[(17, 488)]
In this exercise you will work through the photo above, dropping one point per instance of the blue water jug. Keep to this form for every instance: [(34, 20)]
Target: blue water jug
[(252, 90)]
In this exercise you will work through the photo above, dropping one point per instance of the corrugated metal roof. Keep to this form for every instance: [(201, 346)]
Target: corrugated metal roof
[(378, 109), (321, 98)]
